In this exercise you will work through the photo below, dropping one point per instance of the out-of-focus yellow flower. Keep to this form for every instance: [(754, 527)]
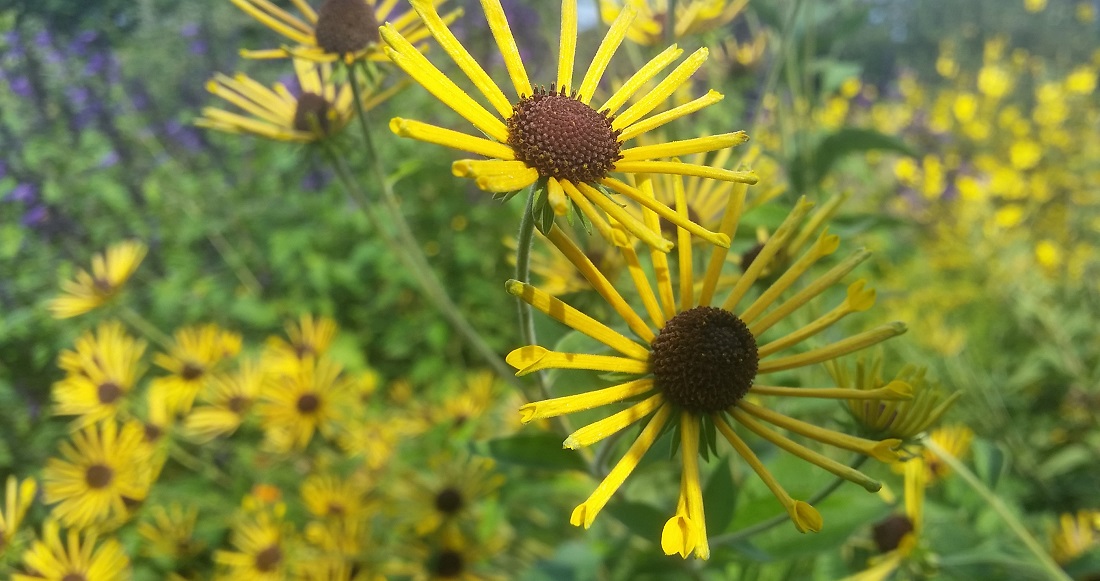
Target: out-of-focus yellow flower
[(101, 373), (293, 407), (170, 532), (891, 417), (18, 497), (1009, 216), (110, 271), (994, 81), (1085, 12), (310, 337), (78, 558), (692, 17), (1075, 536), (1048, 254), (228, 398), (261, 551), (1025, 154), (1035, 5), (1082, 80), (952, 439), (341, 30), (898, 536), (197, 351), (966, 107), (102, 470)]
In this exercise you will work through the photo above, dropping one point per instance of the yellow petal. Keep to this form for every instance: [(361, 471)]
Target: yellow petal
[(601, 429), (502, 32), (679, 536), (583, 401), (602, 58), (449, 138)]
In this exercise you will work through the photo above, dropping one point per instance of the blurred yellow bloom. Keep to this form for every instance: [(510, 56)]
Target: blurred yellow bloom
[(197, 351), (341, 30), (1009, 216), (889, 417), (18, 497), (953, 439), (1075, 536), (80, 557), (293, 407), (170, 532), (1085, 12), (1025, 154), (1082, 80), (102, 470), (692, 17), (101, 373), (110, 271), (261, 553), (227, 400), (898, 536), (1035, 5), (966, 107), (1048, 254), (994, 81)]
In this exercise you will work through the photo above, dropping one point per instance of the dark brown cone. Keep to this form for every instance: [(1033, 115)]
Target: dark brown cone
[(346, 26)]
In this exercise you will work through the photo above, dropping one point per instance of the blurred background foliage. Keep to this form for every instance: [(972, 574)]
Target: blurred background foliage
[(966, 132)]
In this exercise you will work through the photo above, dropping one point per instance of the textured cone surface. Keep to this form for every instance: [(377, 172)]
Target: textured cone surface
[(311, 113), (704, 359), (346, 26), (889, 532), (563, 138)]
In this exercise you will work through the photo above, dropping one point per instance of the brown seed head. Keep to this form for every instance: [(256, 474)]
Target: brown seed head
[(346, 26)]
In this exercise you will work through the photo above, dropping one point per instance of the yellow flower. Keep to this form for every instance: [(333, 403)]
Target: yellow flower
[(453, 486), (1048, 254), (692, 17), (311, 337), (695, 363), (555, 137), (101, 373), (1082, 80), (18, 497), (1076, 535), (110, 271), (197, 351), (228, 398), (898, 536), (341, 30), (1085, 12), (261, 550), (1025, 154), (170, 532), (332, 497), (102, 470), (78, 558), (293, 407), (887, 417), (953, 439), (321, 110), (1035, 5)]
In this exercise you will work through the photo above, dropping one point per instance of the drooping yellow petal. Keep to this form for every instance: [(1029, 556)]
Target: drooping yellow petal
[(585, 514), (555, 196), (805, 517), (894, 391), (881, 450), (858, 299), (834, 350), (608, 46), (589, 210), (690, 487), (842, 470), (462, 57), (649, 202), (498, 24), (679, 535), (576, 320), (764, 258), (567, 45), (558, 406), (641, 284), (601, 429), (812, 290), (730, 218), (600, 283), (535, 358), (613, 209), (825, 245), (448, 138)]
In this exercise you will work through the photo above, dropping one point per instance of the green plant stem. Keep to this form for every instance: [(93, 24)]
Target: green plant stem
[(828, 490), (772, 79), (670, 23), (190, 461), (144, 327), (1044, 558), (408, 251)]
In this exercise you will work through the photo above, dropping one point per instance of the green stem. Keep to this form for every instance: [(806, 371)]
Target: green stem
[(820, 495), (670, 23), (146, 328), (1044, 558)]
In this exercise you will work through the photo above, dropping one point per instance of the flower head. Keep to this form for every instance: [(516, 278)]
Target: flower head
[(102, 470), (80, 557), (101, 373), (198, 350), (294, 406), (556, 137), (1076, 535), (693, 364), (692, 17), (892, 418), (110, 271), (170, 532), (260, 541), (226, 403), (340, 30), (322, 109), (18, 497)]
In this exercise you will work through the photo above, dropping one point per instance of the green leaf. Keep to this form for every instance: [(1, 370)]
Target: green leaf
[(720, 498), (1086, 566), (537, 451), (990, 460), (840, 144), (644, 520)]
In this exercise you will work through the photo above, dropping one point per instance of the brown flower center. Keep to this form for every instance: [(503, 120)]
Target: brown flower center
[(98, 476), (268, 559), (308, 403), (448, 501), (153, 432), (346, 26), (563, 138), (704, 359), (192, 371), (238, 404), (889, 532), (74, 577), (312, 113), (108, 392), (448, 564)]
